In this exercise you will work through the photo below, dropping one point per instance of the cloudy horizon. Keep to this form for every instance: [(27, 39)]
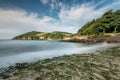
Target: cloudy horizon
[(17, 17)]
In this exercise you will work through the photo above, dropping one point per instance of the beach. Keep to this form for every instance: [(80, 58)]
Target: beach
[(100, 65)]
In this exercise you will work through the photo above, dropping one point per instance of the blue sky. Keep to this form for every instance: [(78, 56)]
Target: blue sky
[(20, 16)]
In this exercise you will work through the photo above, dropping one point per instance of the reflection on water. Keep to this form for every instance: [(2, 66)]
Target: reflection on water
[(16, 51)]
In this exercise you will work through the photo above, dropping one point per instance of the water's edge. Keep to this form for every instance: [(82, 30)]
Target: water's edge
[(56, 49)]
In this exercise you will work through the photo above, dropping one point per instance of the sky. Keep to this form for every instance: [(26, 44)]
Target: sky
[(21, 16)]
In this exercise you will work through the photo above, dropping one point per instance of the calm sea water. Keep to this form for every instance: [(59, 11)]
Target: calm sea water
[(19, 51)]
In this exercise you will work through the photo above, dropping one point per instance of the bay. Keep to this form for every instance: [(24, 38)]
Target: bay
[(20, 51)]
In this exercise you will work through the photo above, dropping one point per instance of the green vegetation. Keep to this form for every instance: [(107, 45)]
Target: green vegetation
[(28, 35), (102, 65), (108, 23), (56, 35), (44, 36)]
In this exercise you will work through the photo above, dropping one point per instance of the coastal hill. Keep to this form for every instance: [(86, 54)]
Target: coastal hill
[(106, 28), (34, 35), (108, 23)]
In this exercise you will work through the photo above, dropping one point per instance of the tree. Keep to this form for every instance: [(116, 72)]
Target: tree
[(108, 23)]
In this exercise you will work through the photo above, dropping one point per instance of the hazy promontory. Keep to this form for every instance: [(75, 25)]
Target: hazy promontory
[(35, 35)]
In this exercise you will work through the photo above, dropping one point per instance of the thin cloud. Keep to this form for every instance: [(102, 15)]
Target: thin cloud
[(52, 3), (44, 1), (81, 14), (15, 22)]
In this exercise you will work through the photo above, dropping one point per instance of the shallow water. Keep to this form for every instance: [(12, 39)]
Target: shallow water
[(19, 51)]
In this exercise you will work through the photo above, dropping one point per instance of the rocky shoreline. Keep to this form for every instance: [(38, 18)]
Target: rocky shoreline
[(103, 65), (109, 39)]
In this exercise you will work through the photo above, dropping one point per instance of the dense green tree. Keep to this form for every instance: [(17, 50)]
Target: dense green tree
[(108, 23)]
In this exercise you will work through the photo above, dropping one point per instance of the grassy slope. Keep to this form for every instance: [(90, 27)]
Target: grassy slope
[(103, 65), (34, 35)]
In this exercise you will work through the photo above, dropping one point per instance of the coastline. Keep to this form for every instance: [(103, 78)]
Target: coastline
[(110, 38), (101, 65)]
